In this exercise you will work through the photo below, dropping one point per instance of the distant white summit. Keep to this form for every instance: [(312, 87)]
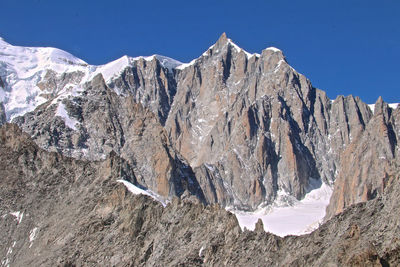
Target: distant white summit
[(23, 68)]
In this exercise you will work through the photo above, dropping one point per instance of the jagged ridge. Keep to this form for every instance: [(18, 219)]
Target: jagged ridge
[(235, 128)]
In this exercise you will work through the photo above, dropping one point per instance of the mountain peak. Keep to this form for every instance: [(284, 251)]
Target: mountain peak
[(222, 41), (223, 38), (3, 42)]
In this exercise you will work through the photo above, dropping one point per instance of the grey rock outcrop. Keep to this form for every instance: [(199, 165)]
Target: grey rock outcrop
[(59, 211)]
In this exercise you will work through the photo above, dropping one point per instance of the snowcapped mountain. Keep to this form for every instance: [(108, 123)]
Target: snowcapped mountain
[(230, 127), (244, 131), (24, 71)]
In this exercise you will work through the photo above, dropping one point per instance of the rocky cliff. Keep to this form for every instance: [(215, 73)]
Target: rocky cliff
[(229, 127), (250, 126), (59, 211), (100, 122), (365, 165)]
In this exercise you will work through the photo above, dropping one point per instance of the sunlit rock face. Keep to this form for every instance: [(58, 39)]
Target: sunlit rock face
[(229, 127), (366, 164), (250, 126)]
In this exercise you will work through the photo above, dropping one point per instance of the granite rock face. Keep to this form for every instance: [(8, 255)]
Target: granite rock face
[(60, 211), (365, 164), (149, 82), (99, 122), (229, 127), (250, 126)]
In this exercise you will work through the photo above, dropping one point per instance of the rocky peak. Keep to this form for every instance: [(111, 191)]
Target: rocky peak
[(229, 127), (222, 41), (366, 161), (254, 102), (226, 49), (381, 108)]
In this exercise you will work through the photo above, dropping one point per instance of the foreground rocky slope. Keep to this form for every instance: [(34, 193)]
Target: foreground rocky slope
[(62, 211)]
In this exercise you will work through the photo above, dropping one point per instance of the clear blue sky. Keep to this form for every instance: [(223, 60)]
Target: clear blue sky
[(343, 47)]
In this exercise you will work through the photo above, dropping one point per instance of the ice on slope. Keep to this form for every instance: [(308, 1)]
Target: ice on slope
[(18, 216), (137, 191), (113, 68), (300, 218), (61, 112), (32, 236), (22, 68)]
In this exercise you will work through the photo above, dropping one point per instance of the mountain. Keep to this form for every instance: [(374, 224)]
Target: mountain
[(246, 131), (60, 211)]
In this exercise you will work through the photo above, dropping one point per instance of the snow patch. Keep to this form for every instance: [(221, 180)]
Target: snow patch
[(372, 107), (32, 235), (137, 191), (301, 217), (113, 68), (18, 216), (6, 261), (201, 251), (22, 68), (62, 112)]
